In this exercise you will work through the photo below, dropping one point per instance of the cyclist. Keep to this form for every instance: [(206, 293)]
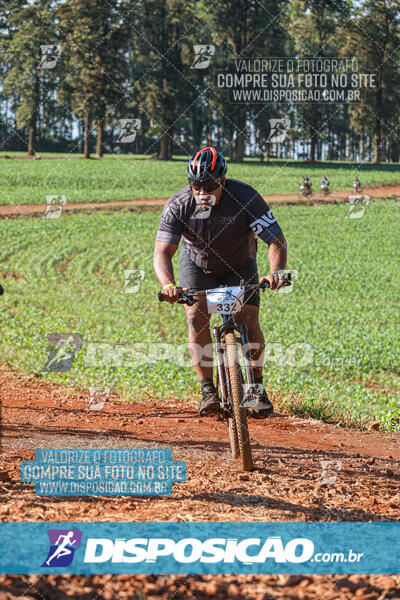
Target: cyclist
[(324, 183), (356, 184), (307, 184), (218, 220)]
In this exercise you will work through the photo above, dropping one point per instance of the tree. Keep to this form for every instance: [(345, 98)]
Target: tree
[(94, 62), (313, 26), (374, 38), (30, 25), (246, 28), (164, 89)]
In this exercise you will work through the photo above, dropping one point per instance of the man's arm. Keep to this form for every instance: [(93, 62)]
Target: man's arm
[(163, 253), (266, 228), (277, 254)]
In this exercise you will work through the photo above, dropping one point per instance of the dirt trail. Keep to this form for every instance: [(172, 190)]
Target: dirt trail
[(288, 452), (285, 487), (28, 210)]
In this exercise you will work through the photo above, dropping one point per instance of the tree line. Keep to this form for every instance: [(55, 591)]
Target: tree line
[(73, 73)]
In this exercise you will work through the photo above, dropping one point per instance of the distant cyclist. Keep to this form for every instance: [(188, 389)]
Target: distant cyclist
[(218, 221), (305, 187), (325, 184), (357, 185)]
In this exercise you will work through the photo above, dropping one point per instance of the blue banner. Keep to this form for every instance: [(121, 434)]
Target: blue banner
[(199, 548)]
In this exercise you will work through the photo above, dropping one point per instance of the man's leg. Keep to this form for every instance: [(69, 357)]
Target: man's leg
[(200, 346), (249, 316), (198, 320), (260, 406), (201, 352)]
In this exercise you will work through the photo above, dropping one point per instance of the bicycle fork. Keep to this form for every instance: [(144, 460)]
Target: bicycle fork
[(221, 370), (246, 352)]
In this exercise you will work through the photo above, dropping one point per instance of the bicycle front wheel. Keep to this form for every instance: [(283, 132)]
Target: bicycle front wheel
[(239, 413)]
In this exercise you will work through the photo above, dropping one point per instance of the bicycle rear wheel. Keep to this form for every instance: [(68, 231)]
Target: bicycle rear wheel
[(239, 413)]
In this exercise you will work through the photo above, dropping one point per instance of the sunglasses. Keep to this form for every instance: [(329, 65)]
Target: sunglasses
[(207, 186)]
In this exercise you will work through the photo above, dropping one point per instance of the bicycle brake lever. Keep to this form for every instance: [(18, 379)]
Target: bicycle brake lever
[(162, 298), (266, 283), (288, 279), (189, 301)]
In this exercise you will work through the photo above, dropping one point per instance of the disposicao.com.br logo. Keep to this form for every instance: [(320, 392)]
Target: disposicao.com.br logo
[(168, 553), (190, 550)]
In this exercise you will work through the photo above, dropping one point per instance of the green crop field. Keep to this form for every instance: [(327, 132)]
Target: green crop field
[(332, 343), (29, 181)]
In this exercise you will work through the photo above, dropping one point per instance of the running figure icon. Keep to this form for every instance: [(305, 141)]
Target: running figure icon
[(62, 549), (63, 543)]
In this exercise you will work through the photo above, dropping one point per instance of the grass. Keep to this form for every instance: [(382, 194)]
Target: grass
[(66, 275), (114, 178)]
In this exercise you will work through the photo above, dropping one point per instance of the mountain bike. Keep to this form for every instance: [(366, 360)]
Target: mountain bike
[(231, 384), (305, 190), (325, 189)]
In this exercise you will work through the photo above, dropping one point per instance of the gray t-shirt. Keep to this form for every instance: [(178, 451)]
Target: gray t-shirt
[(223, 237)]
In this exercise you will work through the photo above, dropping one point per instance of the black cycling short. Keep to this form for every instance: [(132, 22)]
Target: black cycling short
[(192, 276)]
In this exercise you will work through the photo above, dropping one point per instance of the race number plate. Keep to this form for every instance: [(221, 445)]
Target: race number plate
[(225, 301)]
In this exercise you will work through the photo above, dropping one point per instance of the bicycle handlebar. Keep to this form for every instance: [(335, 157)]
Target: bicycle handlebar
[(187, 296), (184, 298)]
